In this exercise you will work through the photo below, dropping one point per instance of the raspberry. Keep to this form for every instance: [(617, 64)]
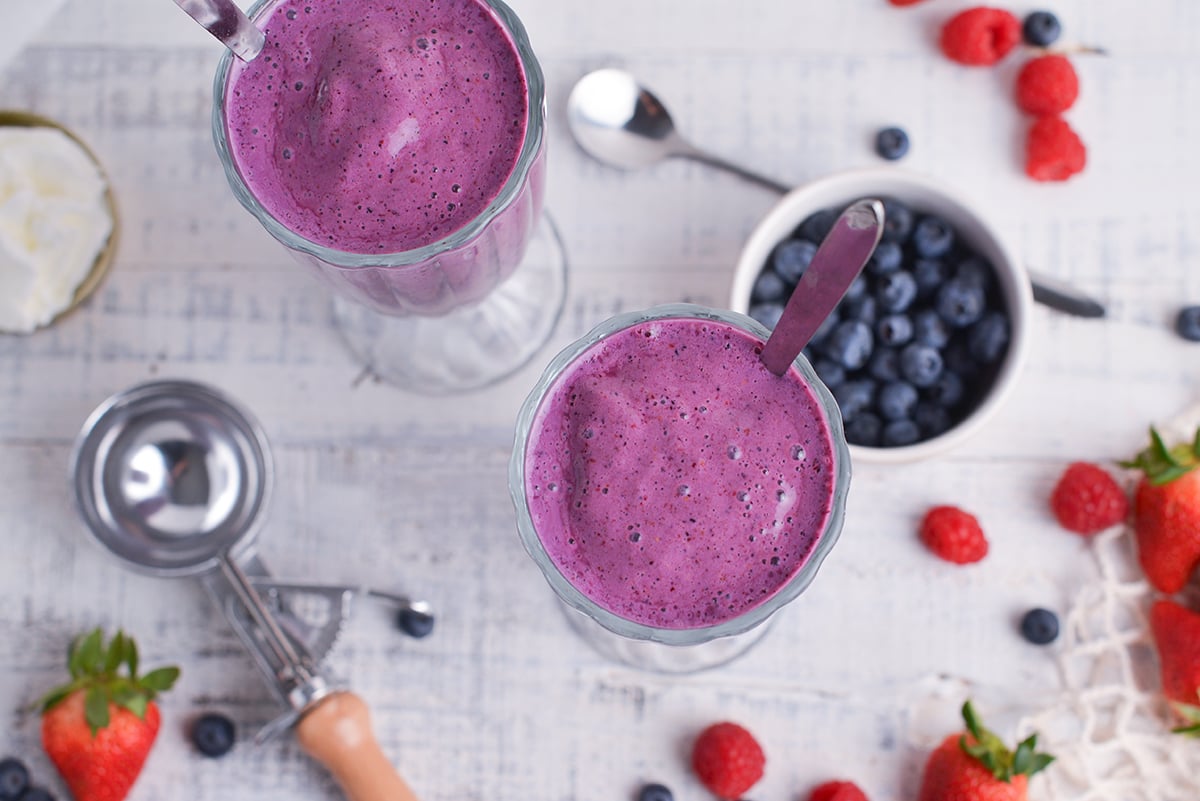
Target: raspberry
[(1087, 500), (1053, 152), (1047, 85), (837, 791), (728, 760), (954, 535), (904, 2), (980, 36)]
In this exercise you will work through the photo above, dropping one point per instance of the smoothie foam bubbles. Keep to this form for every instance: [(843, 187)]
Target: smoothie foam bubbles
[(670, 486)]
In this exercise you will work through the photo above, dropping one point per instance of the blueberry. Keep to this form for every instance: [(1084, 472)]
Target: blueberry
[(920, 364), (850, 344), (14, 779), (37, 794), (896, 400), (817, 226), (1040, 626), (929, 275), (829, 372), (900, 432), (930, 329), (860, 308), (896, 291), (213, 734), (957, 357), (897, 221), (864, 429), (946, 390), (975, 271), (932, 419), (824, 329), (1041, 29), (891, 143), (792, 257), (767, 313), (884, 364), (767, 287), (988, 338), (655, 792), (960, 303), (933, 237), (858, 287), (895, 329), (1187, 323), (414, 622), (887, 258), (855, 397)]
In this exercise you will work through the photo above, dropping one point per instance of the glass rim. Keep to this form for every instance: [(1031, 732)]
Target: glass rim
[(509, 193), (567, 592)]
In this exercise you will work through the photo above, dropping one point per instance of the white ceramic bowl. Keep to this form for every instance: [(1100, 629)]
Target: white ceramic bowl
[(922, 194)]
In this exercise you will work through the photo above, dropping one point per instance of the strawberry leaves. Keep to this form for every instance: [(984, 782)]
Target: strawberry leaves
[(96, 670), (991, 752), (1161, 464)]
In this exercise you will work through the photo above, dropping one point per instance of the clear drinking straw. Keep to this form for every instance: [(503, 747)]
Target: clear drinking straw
[(228, 24)]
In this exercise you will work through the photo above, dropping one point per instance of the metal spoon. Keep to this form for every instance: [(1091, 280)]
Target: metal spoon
[(619, 122)]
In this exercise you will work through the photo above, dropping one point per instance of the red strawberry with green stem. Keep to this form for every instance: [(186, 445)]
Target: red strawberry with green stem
[(98, 728), (1166, 512), (976, 765)]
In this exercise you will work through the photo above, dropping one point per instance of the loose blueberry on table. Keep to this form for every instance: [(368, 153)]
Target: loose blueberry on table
[(414, 622), (916, 343), (655, 792), (213, 734), (1039, 626), (14, 779)]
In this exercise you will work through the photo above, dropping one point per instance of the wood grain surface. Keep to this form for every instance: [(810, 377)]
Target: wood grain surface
[(407, 494)]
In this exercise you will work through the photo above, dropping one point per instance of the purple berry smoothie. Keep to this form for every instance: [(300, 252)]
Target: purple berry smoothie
[(672, 479), (377, 126)]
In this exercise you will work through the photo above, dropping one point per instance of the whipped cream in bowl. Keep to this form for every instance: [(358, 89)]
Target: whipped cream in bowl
[(57, 222)]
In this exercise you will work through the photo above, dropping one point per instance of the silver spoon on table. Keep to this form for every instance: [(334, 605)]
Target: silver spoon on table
[(619, 122)]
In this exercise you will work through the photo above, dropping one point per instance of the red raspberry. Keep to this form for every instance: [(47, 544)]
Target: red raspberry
[(1053, 152), (954, 535), (980, 36), (837, 791), (1047, 85), (1087, 500), (728, 760), (904, 2)]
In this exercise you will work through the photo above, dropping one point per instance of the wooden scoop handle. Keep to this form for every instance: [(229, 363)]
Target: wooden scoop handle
[(337, 733)]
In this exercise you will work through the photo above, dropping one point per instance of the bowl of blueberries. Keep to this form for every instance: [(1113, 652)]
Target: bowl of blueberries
[(928, 341)]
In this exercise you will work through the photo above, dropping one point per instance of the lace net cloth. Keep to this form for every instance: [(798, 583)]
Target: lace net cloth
[(1110, 728)]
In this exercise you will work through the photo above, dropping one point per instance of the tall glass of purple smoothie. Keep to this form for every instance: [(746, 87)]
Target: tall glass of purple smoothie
[(397, 148), (674, 492)]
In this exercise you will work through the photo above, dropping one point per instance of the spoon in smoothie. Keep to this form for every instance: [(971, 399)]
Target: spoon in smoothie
[(621, 123), (224, 20), (837, 262)]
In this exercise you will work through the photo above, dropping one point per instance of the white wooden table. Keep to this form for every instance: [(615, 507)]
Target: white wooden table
[(407, 493)]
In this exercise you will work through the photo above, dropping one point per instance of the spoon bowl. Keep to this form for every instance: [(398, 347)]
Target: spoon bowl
[(620, 123)]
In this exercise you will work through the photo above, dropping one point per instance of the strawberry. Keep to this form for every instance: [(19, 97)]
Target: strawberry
[(976, 766), (98, 728), (727, 759), (1166, 512), (1176, 631)]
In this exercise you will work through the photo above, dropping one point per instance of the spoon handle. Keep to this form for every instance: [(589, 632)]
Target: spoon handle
[(688, 151), (838, 261)]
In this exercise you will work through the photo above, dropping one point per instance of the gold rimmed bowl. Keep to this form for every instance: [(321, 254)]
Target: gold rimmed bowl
[(100, 266)]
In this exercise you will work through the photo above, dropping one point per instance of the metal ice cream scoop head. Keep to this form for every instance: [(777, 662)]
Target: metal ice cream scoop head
[(172, 477)]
